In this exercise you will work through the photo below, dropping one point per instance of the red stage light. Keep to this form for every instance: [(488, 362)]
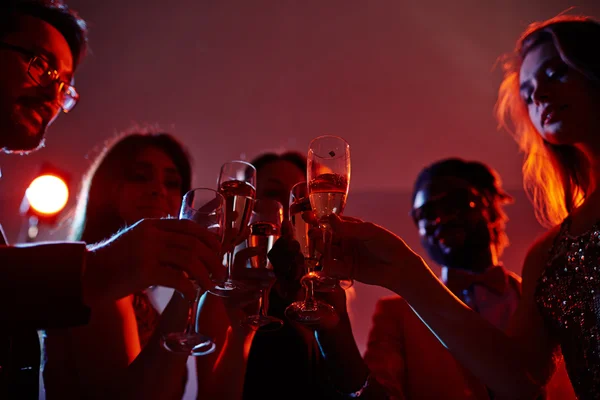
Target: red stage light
[(47, 194)]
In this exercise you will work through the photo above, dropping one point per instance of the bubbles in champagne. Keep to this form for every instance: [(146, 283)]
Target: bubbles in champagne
[(262, 235), (328, 194), (239, 200), (303, 219)]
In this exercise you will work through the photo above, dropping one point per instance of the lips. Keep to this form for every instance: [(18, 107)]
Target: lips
[(550, 114)]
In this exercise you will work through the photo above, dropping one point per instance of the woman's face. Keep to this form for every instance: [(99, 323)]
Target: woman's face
[(152, 188), (563, 105), (275, 181)]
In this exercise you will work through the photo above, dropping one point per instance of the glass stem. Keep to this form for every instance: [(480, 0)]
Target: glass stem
[(309, 285), (229, 268), (264, 301), (193, 311)]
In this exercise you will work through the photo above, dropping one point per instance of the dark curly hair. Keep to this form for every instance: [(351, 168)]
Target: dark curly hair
[(54, 12)]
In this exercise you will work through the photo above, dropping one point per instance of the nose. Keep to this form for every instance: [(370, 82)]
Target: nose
[(157, 188), (539, 94)]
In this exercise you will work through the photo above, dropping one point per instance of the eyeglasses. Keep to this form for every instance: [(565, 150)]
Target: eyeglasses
[(42, 73), (449, 204)]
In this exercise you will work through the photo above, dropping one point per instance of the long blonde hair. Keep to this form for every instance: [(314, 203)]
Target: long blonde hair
[(555, 177)]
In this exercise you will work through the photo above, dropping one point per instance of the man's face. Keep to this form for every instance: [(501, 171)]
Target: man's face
[(453, 222), (27, 109)]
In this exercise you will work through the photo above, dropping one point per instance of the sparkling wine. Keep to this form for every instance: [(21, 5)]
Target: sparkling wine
[(239, 198), (303, 219), (262, 235), (328, 194)]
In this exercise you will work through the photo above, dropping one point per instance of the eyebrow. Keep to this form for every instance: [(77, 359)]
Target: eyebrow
[(527, 84)]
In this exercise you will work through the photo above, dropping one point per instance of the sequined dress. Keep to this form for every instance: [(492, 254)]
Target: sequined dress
[(568, 296)]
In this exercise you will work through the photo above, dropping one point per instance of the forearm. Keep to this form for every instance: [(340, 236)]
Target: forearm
[(491, 355), (345, 366), (157, 373), (227, 379)]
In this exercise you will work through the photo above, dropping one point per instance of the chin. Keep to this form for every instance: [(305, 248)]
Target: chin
[(23, 145), (23, 138), (558, 134)]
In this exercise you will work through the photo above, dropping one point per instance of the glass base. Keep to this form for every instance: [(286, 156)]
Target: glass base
[(188, 343), (314, 313), (263, 323), (228, 288)]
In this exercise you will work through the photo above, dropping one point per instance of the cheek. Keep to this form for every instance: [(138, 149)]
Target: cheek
[(422, 230), (14, 80), (534, 119)]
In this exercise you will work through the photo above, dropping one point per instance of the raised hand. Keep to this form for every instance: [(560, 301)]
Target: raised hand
[(165, 252), (367, 252)]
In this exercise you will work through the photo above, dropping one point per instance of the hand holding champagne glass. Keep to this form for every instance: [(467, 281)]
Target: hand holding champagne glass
[(303, 219), (237, 183), (206, 208), (328, 178)]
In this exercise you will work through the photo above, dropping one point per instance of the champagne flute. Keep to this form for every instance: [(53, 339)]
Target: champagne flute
[(328, 178), (265, 229), (303, 219), (206, 208), (237, 183)]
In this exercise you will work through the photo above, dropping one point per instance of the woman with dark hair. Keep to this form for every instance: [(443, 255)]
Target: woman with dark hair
[(551, 95), (137, 176), (284, 363)]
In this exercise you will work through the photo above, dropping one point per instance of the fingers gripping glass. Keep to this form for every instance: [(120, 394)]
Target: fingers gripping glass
[(43, 74), (328, 176), (206, 208), (303, 219)]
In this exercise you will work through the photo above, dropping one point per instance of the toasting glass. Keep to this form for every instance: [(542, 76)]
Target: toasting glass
[(303, 219), (206, 208), (237, 183), (265, 229), (328, 178)]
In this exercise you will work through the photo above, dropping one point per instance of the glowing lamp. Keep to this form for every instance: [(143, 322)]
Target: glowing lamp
[(47, 194), (45, 198)]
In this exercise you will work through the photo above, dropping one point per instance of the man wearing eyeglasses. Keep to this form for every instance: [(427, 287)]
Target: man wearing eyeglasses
[(457, 209), (53, 285)]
